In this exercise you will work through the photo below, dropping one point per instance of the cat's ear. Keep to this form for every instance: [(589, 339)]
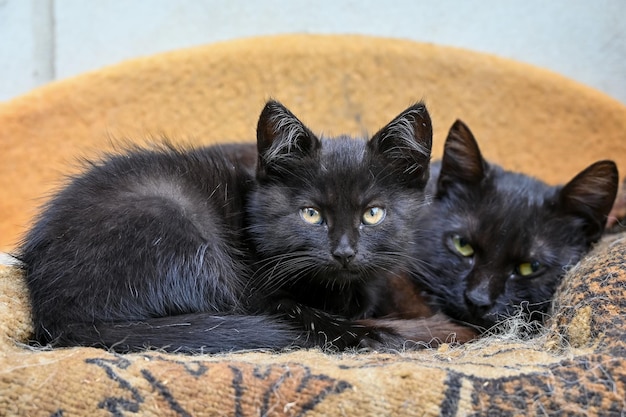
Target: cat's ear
[(590, 196), (462, 161), (405, 145), (282, 137)]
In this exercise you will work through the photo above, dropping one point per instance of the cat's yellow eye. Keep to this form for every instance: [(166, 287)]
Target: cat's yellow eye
[(311, 215), (462, 246), (527, 268), (373, 216)]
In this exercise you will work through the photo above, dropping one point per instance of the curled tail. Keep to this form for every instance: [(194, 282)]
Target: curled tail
[(188, 333), (208, 333)]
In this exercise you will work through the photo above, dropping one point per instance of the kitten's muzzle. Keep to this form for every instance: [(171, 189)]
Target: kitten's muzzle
[(344, 256), (478, 300), (344, 253)]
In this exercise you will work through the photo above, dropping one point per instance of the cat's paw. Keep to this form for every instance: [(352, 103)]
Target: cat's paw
[(430, 332), (327, 331)]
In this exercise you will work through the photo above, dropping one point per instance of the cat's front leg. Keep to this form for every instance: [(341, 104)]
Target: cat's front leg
[(401, 334), (327, 331)]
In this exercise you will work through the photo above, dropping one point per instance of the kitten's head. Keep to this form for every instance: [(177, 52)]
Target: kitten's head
[(495, 240), (336, 212)]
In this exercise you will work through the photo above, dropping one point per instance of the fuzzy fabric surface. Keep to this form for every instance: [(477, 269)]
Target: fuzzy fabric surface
[(577, 367), (525, 118)]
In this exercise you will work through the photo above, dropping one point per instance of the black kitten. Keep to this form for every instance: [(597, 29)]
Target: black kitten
[(494, 242), (194, 251)]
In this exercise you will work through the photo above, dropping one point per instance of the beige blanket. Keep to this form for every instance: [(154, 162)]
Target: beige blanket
[(577, 368)]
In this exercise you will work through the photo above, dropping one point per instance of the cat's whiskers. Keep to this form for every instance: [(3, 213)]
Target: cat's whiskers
[(278, 277), (395, 261), (277, 270)]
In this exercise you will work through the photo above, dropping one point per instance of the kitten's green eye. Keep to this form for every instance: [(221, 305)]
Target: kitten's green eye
[(527, 268), (373, 216), (462, 246), (311, 215)]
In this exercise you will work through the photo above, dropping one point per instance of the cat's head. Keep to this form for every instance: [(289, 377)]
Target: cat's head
[(336, 210), (495, 240)]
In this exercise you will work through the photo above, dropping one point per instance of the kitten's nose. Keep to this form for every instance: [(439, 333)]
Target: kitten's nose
[(479, 297), (344, 252)]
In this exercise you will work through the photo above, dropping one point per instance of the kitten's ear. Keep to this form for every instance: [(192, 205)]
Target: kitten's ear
[(462, 161), (405, 144), (590, 196), (280, 137)]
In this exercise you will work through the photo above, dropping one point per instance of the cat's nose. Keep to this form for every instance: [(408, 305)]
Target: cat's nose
[(344, 253), (478, 297), (344, 257)]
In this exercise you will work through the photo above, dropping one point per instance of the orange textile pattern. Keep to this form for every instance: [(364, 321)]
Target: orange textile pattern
[(525, 118), (577, 368)]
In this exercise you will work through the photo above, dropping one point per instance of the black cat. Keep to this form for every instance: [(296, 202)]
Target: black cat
[(223, 248), (494, 242)]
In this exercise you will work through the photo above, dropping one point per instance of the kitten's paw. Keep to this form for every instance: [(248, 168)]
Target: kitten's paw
[(327, 331), (430, 332)]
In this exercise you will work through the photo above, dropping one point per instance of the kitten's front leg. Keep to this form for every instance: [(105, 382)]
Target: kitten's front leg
[(327, 331), (331, 332), (417, 333)]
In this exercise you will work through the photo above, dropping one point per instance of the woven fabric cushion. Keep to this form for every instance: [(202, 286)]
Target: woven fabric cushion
[(577, 368), (524, 118)]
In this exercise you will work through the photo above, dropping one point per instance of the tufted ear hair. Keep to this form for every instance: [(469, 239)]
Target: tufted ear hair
[(462, 161), (405, 144), (281, 138), (590, 196)]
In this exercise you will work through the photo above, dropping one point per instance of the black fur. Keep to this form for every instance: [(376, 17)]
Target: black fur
[(508, 219), (341, 178), (205, 250)]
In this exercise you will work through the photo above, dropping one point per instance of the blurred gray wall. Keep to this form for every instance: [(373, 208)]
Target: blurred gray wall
[(44, 40)]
